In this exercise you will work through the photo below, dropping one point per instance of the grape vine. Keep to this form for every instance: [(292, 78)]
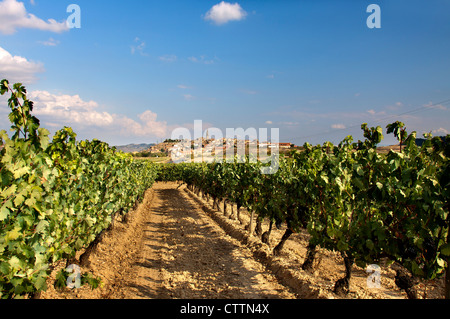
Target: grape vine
[(56, 196), (351, 199)]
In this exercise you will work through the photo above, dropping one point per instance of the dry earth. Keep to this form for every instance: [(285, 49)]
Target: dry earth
[(175, 246)]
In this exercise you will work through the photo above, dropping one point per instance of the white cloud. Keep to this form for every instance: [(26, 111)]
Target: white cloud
[(203, 59), (50, 42), (168, 58), (289, 123), (269, 122), (189, 97), (150, 125), (441, 130), (71, 110), (225, 12), (140, 47), (13, 16), (436, 106), (375, 114), (18, 69), (338, 126)]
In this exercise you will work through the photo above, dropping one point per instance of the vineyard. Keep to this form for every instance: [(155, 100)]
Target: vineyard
[(368, 207), (59, 197)]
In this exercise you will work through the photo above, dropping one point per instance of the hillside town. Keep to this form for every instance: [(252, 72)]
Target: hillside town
[(210, 148)]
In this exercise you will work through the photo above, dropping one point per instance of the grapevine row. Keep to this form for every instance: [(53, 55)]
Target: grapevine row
[(56, 197), (351, 199)]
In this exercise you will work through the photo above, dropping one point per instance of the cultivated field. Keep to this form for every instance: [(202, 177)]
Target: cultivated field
[(175, 245)]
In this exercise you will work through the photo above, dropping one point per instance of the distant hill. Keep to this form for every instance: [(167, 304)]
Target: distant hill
[(419, 141), (131, 148)]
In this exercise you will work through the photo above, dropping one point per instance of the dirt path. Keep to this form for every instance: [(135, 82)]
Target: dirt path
[(175, 246), (186, 255), (172, 249)]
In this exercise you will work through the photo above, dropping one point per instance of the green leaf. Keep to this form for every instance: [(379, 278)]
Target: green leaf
[(4, 213), (41, 226), (445, 250), (9, 191), (416, 270), (370, 244), (342, 246), (358, 183), (4, 268), (18, 173), (19, 200), (43, 137), (360, 171), (12, 235), (4, 86), (40, 283), (61, 279), (440, 262), (14, 262)]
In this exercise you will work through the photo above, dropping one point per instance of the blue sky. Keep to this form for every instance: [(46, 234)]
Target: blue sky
[(136, 70)]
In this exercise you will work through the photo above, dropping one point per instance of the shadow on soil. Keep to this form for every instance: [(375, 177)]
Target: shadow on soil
[(197, 260)]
